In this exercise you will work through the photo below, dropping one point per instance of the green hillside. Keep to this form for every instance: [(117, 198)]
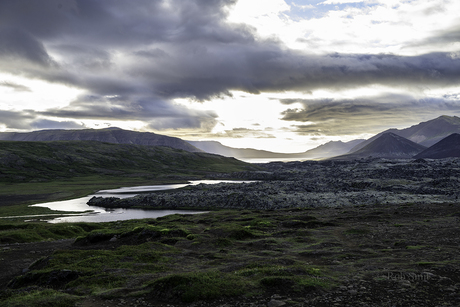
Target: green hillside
[(43, 161), (32, 172)]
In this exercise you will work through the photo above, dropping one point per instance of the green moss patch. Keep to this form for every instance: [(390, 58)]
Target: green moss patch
[(195, 286)]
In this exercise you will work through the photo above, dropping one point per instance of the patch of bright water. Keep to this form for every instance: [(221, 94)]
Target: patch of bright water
[(268, 160), (98, 214)]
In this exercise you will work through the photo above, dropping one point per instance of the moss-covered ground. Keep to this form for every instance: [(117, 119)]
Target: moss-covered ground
[(307, 257)]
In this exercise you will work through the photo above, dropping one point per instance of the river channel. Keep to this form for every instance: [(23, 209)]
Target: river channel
[(98, 214)]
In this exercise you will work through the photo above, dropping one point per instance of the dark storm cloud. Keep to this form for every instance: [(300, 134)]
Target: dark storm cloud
[(338, 71), (207, 72), (362, 115), (157, 112), (16, 120), (84, 39), (27, 120), (202, 57), (120, 23), (150, 52), (16, 44)]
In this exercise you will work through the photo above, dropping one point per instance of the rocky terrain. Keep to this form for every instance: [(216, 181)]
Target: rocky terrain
[(315, 184), (382, 255)]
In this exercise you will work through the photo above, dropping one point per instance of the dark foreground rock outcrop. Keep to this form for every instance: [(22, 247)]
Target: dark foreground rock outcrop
[(315, 184)]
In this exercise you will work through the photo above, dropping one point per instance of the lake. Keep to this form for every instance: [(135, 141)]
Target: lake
[(98, 214)]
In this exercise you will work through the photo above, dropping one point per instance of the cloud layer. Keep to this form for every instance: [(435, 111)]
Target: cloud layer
[(132, 60), (368, 114)]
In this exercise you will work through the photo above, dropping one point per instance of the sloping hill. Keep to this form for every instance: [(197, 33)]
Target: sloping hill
[(332, 148), (37, 161), (425, 133), (388, 146), (446, 148), (108, 135)]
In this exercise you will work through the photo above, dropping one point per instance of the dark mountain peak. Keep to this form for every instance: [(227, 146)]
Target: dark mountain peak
[(446, 148), (393, 145), (389, 146), (391, 136)]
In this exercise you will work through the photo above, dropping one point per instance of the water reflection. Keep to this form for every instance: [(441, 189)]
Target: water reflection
[(119, 215), (99, 214)]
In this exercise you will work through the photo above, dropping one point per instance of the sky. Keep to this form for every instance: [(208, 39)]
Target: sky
[(279, 75)]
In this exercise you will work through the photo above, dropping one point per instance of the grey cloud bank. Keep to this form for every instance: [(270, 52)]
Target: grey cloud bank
[(133, 58), (370, 114)]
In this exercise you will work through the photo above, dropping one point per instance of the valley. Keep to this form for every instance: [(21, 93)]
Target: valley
[(313, 233)]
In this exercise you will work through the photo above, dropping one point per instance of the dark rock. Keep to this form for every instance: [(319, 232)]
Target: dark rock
[(314, 184)]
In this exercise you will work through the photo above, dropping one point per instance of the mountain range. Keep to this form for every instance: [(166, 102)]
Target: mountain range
[(120, 136), (392, 143), (425, 133)]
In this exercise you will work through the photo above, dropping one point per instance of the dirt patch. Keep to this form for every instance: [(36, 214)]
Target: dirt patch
[(16, 258)]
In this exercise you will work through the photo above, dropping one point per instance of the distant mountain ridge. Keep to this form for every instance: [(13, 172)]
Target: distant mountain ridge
[(387, 146), (425, 133), (107, 135), (215, 147), (326, 150), (333, 148)]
